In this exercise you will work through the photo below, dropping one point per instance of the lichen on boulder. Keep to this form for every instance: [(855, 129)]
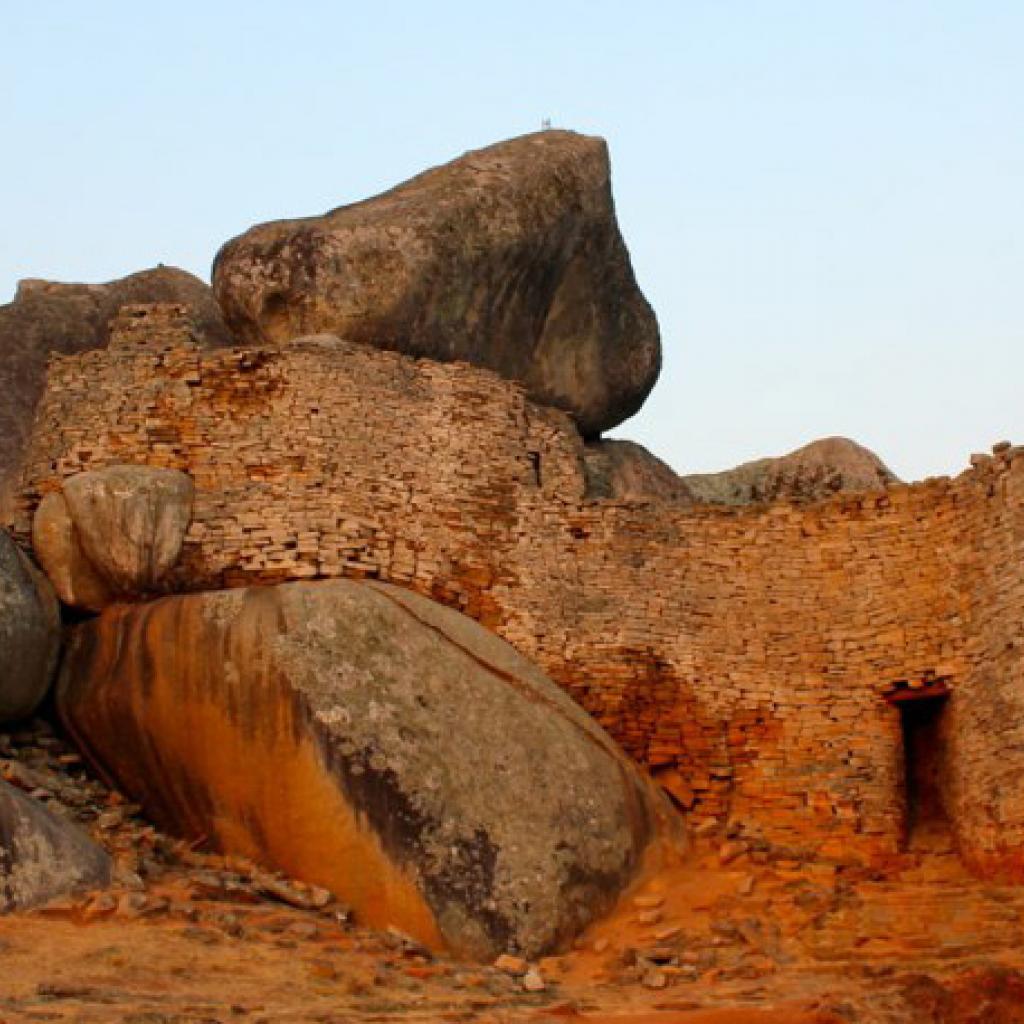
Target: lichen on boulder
[(821, 469), (43, 856), (365, 739)]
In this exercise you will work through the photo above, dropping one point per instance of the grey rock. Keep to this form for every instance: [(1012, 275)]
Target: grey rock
[(29, 633), (509, 257), (130, 521), (626, 471), (396, 754), (43, 856), (821, 469)]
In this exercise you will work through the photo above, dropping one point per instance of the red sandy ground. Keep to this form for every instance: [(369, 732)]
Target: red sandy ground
[(191, 937), (770, 943)]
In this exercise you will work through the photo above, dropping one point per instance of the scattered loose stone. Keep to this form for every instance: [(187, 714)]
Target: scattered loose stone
[(514, 965), (648, 902), (730, 851), (533, 981), (304, 930)]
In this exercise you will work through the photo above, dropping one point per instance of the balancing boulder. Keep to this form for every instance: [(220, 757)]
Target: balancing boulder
[(509, 258)]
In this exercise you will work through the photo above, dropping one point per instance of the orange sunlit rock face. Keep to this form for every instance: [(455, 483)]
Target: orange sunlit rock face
[(367, 740), (217, 757)]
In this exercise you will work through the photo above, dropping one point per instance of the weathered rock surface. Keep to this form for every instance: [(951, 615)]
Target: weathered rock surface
[(819, 470), (55, 542), (367, 740), (50, 317), (43, 856), (626, 471), (130, 522), (29, 633), (509, 257), (989, 993)]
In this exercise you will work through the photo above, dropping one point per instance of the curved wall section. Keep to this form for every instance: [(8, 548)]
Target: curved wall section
[(744, 652)]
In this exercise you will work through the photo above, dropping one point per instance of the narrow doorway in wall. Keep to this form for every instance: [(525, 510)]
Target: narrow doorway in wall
[(926, 823)]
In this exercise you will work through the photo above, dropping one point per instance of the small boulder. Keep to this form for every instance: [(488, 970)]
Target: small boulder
[(626, 471), (56, 545), (130, 522), (364, 739), (821, 469), (29, 633), (509, 258), (43, 856)]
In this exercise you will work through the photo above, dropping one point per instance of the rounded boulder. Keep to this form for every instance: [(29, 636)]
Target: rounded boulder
[(130, 522), (29, 633), (365, 739), (42, 856)]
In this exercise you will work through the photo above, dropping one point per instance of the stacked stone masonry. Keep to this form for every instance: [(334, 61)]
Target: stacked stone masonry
[(745, 650)]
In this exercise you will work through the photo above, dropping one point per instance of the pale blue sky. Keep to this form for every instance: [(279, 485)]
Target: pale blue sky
[(824, 199)]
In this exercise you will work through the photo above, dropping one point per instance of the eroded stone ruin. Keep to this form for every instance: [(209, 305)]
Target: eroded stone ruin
[(744, 652), (814, 660)]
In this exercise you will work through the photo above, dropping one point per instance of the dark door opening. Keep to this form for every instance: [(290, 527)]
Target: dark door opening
[(924, 771)]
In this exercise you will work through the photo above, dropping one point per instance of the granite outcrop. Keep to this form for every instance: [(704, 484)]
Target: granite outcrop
[(395, 752), (509, 258), (821, 469), (756, 656)]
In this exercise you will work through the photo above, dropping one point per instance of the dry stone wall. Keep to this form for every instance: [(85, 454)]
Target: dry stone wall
[(743, 652), (986, 714)]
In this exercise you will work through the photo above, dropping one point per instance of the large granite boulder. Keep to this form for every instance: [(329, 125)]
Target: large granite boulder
[(112, 532), (43, 856), (509, 258), (50, 317), (819, 470), (365, 739), (29, 633), (626, 471)]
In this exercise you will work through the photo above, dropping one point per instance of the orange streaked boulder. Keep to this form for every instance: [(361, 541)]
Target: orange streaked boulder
[(363, 738)]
